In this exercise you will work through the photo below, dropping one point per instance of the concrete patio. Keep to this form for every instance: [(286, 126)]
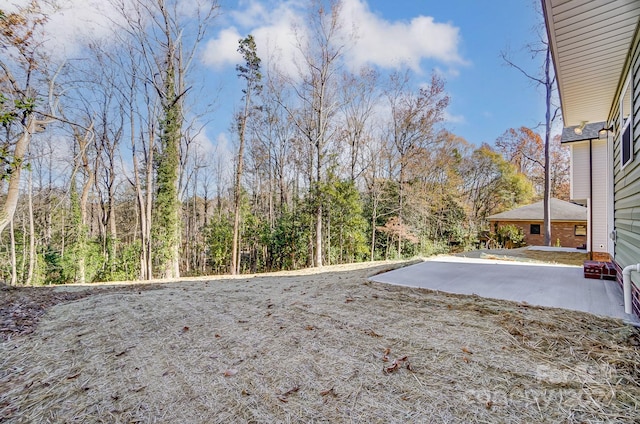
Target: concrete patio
[(558, 286)]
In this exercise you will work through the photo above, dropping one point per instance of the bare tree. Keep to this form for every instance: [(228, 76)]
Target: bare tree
[(547, 80), (321, 51), (250, 72), (411, 129), (23, 81), (165, 40), (359, 97)]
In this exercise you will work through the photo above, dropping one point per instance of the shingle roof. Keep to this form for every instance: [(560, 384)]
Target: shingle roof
[(560, 211), (589, 132)]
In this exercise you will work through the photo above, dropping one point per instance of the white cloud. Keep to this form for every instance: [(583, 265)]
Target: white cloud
[(251, 15), (454, 119), (272, 29), (191, 8), (394, 44), (450, 72), (204, 146), (223, 50), (377, 41), (74, 22)]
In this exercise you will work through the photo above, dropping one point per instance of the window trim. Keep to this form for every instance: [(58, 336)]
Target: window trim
[(575, 230), (626, 126)]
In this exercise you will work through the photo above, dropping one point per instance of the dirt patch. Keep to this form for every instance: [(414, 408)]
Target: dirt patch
[(22, 307), (527, 255), (316, 346)]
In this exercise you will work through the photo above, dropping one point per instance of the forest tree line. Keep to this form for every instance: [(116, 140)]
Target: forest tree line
[(105, 177)]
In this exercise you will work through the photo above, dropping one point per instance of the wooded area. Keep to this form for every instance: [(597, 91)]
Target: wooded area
[(103, 178)]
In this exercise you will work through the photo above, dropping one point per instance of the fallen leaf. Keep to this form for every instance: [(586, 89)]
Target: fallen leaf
[(185, 329), (387, 351), (230, 372), (466, 350), (397, 363), (71, 377), (489, 404), (372, 333), (283, 397), (328, 392), (217, 336), (391, 369), (309, 327), (349, 299), (291, 391), (465, 359)]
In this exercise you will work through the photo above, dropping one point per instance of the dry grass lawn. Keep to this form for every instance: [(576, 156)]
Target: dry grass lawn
[(526, 254), (316, 346)]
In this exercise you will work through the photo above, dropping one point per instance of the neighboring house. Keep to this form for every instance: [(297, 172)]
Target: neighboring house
[(595, 46), (568, 223)]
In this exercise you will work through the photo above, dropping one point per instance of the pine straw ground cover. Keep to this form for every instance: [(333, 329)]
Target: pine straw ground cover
[(326, 346)]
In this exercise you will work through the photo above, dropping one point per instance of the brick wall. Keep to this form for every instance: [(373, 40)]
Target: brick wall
[(635, 291), (565, 231)]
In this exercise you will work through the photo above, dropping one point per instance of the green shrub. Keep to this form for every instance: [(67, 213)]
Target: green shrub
[(510, 236)]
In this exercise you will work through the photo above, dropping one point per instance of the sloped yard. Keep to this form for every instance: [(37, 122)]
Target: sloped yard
[(311, 346)]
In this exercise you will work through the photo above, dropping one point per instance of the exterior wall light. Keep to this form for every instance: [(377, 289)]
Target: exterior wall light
[(578, 129), (604, 132)]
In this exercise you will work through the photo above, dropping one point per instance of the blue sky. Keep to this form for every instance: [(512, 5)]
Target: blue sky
[(461, 39), (488, 95)]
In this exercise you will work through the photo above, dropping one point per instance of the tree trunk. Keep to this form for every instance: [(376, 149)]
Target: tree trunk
[(84, 197), (32, 235), (237, 191), (374, 219), (8, 208), (547, 143), (14, 271), (400, 206)]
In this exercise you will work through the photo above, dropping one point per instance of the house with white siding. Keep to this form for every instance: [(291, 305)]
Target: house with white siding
[(595, 45)]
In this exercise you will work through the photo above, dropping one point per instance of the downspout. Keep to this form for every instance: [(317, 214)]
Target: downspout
[(590, 198), (626, 286)]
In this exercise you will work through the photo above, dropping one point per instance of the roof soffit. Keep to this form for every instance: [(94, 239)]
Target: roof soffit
[(590, 42)]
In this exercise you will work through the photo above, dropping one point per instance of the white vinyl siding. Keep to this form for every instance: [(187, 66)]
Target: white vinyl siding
[(599, 203), (627, 179), (579, 171)]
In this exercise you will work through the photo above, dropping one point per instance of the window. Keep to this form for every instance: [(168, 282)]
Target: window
[(534, 229), (580, 230), (626, 136)]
